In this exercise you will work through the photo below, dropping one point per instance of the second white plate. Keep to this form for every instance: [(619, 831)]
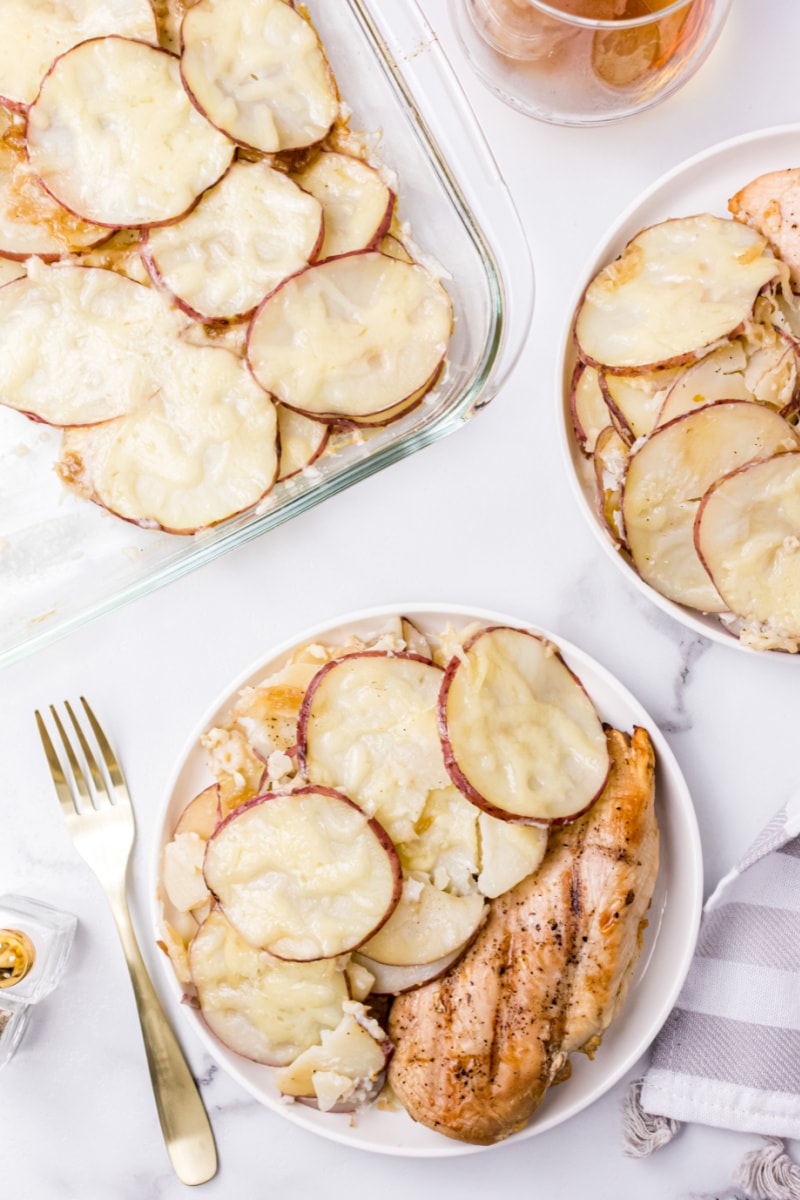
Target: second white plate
[(702, 183), (669, 940)]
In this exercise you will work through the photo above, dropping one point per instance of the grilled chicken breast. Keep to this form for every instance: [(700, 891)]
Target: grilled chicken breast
[(771, 204), (476, 1050)]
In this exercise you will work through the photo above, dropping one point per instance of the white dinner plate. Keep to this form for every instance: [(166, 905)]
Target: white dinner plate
[(703, 183), (669, 939)]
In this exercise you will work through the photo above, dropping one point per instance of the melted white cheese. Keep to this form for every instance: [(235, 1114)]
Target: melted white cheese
[(116, 139), (251, 231), (257, 69), (36, 31), (353, 336)]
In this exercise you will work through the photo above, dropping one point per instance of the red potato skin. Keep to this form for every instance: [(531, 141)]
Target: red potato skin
[(383, 227), (453, 769), (82, 216), (203, 812), (308, 699), (618, 418), (577, 429), (375, 825), (320, 450), (368, 418), (16, 106)]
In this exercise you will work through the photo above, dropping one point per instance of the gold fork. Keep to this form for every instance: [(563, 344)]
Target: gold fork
[(100, 821)]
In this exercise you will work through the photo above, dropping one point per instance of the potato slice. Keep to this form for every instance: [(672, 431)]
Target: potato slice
[(394, 248), (183, 879), (611, 457), (416, 642), (259, 1006), (509, 853), (520, 736), (202, 448), (304, 874), (356, 202), (393, 980), (368, 727), (257, 70), (248, 233), (302, 441), (677, 288), (345, 1071), (115, 138), (667, 478), (426, 925), (37, 31), (31, 221), (202, 814), (351, 337), (588, 407), (80, 345), (766, 372), (387, 415), (747, 533), (718, 376), (635, 401)]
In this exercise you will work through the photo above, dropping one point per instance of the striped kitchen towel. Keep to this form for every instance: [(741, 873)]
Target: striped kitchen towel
[(729, 1053)]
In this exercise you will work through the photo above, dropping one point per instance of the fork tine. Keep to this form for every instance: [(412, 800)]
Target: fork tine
[(100, 786), (74, 766), (109, 758), (59, 778)]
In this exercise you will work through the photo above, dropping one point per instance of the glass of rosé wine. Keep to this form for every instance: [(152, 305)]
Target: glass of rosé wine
[(586, 62)]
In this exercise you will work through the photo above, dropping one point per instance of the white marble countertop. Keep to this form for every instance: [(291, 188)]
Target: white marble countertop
[(484, 517)]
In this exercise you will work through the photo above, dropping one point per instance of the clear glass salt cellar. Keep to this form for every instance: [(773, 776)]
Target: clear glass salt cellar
[(35, 942)]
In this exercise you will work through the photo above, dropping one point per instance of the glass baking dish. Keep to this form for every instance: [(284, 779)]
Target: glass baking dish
[(64, 560)]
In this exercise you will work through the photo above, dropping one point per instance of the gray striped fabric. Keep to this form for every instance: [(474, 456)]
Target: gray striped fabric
[(729, 1054)]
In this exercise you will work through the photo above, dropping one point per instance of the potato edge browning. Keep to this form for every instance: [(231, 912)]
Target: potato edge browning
[(473, 1065)]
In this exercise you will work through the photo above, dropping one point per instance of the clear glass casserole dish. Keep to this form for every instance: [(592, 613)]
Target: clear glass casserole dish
[(64, 560)]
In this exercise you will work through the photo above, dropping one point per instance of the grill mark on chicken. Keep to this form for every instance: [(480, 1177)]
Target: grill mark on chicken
[(476, 1050)]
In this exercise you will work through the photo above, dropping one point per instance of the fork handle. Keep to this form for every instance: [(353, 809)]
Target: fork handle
[(184, 1121)]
